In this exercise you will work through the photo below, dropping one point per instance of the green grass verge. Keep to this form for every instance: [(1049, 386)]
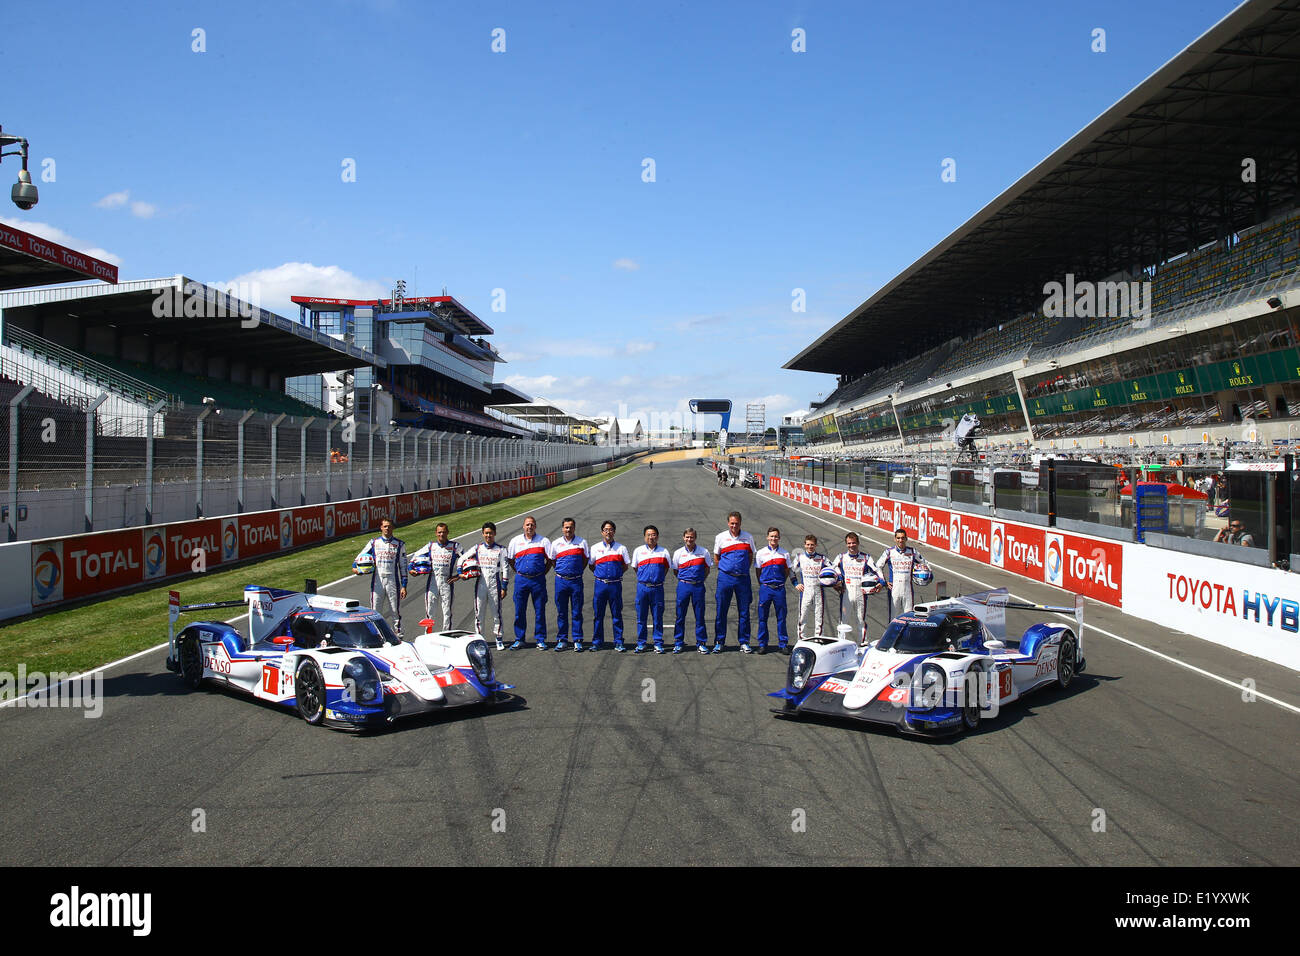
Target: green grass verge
[(85, 637)]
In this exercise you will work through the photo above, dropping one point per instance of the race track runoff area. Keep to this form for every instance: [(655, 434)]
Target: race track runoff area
[(620, 759)]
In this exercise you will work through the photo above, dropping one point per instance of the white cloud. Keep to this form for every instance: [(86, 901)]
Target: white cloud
[(627, 265), (55, 234), (114, 200), (137, 207), (531, 383), (636, 348), (274, 288), (556, 348)]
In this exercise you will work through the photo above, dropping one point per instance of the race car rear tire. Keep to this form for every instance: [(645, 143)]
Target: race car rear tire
[(191, 664), (310, 690), (1065, 662)]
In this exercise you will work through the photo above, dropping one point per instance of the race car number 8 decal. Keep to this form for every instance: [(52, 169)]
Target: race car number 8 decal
[(1004, 684)]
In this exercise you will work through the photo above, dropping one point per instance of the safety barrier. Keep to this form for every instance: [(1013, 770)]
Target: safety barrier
[(1252, 610), (53, 571)]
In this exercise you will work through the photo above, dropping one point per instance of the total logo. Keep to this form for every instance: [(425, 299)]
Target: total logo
[(997, 543), (229, 540), (954, 533), (286, 529), (155, 555), (922, 525), (329, 521), (1054, 566), (47, 574)]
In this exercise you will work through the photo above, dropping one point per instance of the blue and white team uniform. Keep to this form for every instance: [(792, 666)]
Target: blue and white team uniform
[(692, 568), (772, 565), (570, 556), (651, 569), (735, 553), (608, 562), (389, 575), (530, 557), (896, 566)]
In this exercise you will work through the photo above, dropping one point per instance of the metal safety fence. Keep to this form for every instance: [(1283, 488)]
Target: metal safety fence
[(74, 468), (1241, 505)]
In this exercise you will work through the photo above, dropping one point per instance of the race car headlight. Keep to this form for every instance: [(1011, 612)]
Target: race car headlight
[(933, 685), (361, 681), (801, 666), (480, 658)]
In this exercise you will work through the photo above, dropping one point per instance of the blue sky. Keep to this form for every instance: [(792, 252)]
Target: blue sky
[(523, 170)]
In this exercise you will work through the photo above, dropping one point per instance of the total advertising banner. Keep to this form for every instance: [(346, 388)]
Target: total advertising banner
[(1077, 563), (81, 566), (1251, 609)]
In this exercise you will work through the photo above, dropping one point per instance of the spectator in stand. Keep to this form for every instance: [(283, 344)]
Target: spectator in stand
[(1235, 533)]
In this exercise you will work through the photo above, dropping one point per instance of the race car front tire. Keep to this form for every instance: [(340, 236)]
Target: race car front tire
[(191, 664), (310, 690), (970, 707)]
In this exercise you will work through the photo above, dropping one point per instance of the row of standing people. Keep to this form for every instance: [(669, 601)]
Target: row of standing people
[(531, 557)]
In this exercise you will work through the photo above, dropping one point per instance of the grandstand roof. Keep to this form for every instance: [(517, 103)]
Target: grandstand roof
[(1157, 174), (444, 306), (165, 308), (27, 260), (541, 412), (503, 394)]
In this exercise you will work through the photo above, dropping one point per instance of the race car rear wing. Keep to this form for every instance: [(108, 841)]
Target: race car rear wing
[(262, 613), (991, 608)]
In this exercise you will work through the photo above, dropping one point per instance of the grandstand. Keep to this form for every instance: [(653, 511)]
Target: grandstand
[(1185, 326), (438, 364)]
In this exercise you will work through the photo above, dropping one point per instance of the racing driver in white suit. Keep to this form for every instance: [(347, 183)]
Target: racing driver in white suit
[(389, 575), (443, 556), (896, 565)]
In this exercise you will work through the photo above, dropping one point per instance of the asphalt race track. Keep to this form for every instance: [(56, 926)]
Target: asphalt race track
[(580, 769)]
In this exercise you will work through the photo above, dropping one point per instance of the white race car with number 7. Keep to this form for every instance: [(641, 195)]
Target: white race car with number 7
[(937, 669), (330, 659)]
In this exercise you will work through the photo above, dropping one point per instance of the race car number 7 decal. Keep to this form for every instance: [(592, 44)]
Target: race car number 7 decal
[(270, 679)]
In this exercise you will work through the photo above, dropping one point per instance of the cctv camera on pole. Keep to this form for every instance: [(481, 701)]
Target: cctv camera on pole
[(24, 193)]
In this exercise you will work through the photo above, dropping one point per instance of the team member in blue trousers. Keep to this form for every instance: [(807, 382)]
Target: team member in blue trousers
[(651, 562), (529, 556), (691, 564), (733, 552), (772, 565), (570, 554), (609, 560)]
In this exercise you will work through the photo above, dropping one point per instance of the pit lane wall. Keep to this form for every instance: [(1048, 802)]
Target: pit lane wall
[(1250, 609), (42, 574)]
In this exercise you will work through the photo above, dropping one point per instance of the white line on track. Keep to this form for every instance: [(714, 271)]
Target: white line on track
[(1091, 627), (348, 577)]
